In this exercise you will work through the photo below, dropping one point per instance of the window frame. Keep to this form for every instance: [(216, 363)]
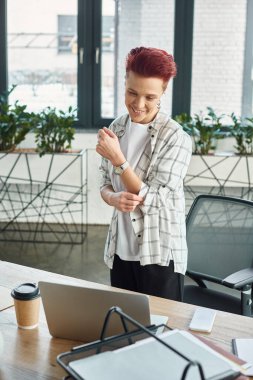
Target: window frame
[(89, 72), (183, 43), (3, 47), (247, 95)]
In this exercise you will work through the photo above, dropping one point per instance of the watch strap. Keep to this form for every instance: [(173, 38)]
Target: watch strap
[(121, 168)]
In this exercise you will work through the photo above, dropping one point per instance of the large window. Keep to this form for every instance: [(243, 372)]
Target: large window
[(62, 52), (42, 53)]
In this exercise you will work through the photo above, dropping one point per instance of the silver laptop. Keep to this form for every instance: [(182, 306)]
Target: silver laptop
[(78, 313)]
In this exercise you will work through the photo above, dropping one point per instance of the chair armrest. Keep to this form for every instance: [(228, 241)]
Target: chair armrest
[(239, 279), (197, 280)]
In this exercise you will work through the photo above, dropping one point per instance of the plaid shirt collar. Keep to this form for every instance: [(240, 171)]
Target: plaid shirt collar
[(153, 128)]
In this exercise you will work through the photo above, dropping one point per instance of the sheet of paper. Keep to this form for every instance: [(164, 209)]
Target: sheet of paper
[(159, 320), (200, 343), (244, 348), (6, 299)]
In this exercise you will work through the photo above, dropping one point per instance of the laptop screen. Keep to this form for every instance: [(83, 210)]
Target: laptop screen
[(78, 313)]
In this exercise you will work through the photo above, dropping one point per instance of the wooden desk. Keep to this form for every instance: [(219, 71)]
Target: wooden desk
[(31, 354)]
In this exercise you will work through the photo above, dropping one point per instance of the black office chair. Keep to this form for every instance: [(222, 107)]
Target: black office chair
[(220, 243)]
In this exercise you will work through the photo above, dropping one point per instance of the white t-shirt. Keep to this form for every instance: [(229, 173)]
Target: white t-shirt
[(132, 144)]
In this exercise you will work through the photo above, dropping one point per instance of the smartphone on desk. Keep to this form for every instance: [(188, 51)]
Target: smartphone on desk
[(202, 320)]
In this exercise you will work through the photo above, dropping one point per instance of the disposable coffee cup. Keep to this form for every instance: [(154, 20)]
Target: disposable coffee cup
[(27, 305)]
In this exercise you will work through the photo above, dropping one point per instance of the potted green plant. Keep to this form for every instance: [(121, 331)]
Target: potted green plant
[(243, 134), (15, 122), (205, 129), (55, 131), (222, 173), (186, 122)]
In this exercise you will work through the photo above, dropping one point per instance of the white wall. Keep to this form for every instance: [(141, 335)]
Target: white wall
[(218, 55)]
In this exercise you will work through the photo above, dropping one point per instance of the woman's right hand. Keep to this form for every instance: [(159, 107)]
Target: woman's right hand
[(124, 201)]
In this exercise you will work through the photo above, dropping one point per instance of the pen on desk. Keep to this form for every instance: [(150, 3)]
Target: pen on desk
[(234, 349)]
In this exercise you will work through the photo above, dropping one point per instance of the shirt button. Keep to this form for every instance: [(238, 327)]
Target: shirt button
[(163, 186), (133, 220), (152, 135), (139, 235), (150, 127)]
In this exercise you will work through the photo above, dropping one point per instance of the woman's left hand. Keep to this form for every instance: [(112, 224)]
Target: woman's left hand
[(108, 146)]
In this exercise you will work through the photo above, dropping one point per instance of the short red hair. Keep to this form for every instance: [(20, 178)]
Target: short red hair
[(151, 62)]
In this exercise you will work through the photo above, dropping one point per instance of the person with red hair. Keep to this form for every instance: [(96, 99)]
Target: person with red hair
[(145, 156)]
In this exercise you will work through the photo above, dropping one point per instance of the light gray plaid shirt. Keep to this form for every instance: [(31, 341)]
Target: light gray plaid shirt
[(159, 224)]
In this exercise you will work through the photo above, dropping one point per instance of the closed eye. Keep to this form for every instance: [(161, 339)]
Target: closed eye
[(132, 93)]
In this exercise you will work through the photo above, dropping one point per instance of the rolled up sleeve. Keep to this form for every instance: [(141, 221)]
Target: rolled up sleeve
[(168, 173), (105, 177)]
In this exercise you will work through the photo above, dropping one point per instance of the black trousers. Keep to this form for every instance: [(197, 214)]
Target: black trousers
[(155, 280)]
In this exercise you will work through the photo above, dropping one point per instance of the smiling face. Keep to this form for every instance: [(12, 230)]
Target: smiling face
[(142, 96)]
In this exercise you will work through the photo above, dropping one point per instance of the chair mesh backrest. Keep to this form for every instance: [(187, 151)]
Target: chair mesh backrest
[(220, 236)]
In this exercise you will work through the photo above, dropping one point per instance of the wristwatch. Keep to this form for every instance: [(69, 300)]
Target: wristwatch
[(120, 169)]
